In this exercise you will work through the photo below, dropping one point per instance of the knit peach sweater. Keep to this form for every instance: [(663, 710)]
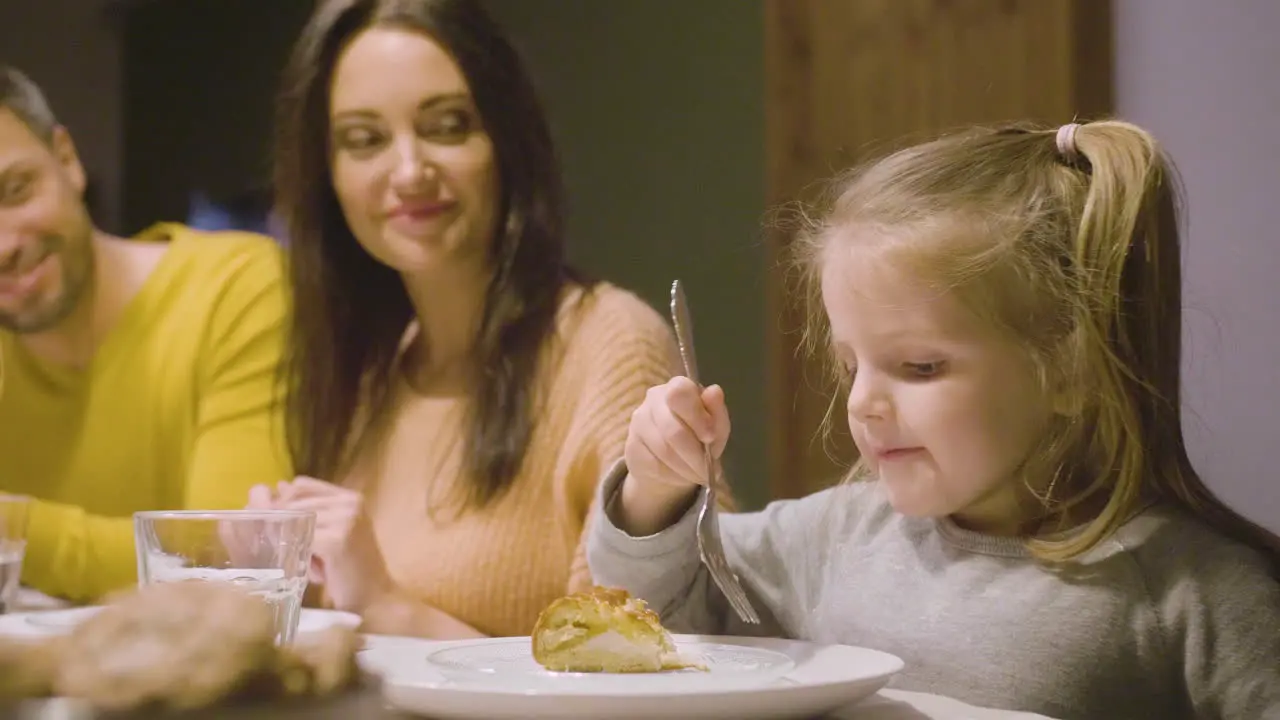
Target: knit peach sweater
[(497, 567)]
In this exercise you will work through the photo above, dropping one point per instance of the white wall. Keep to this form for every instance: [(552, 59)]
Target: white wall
[(1205, 78)]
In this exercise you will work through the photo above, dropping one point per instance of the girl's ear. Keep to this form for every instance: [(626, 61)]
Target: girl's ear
[(1067, 402)]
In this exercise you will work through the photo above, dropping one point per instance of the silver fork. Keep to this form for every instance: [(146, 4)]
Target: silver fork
[(709, 545)]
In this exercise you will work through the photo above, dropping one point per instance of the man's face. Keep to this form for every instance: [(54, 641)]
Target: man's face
[(46, 249)]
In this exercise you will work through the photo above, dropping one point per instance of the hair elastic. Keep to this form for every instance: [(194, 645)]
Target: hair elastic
[(1066, 141)]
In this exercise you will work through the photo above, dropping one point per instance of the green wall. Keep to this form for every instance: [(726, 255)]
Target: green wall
[(657, 106)]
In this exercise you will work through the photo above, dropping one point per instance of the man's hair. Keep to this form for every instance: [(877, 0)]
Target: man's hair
[(22, 97)]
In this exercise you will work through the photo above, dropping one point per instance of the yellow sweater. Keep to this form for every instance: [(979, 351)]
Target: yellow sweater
[(496, 568), (177, 410)]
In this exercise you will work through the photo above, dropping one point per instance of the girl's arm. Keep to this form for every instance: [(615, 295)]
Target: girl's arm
[(1220, 608), (778, 554)]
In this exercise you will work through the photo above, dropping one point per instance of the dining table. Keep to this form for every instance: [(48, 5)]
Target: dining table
[(367, 701)]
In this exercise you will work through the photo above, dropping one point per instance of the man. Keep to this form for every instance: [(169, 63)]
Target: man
[(138, 374)]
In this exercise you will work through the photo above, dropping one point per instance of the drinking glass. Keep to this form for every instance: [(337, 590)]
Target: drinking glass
[(265, 552), (13, 546)]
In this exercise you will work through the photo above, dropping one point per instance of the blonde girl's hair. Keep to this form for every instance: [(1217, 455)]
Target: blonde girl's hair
[(1066, 239)]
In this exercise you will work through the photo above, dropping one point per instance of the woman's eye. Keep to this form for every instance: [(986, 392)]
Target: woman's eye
[(452, 126), (358, 139)]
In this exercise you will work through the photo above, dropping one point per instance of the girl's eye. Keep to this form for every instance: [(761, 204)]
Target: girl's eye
[(925, 369)]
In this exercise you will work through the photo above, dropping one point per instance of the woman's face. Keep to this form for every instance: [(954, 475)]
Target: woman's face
[(413, 167)]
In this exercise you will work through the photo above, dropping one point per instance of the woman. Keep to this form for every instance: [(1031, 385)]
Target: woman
[(456, 389)]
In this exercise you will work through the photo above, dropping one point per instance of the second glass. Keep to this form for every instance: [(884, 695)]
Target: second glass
[(13, 545)]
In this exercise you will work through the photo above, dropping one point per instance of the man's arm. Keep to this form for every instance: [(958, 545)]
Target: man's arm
[(236, 442), (239, 434)]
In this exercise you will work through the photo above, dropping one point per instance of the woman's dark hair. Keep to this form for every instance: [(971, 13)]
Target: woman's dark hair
[(350, 311)]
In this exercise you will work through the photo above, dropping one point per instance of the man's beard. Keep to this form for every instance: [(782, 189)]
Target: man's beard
[(75, 263)]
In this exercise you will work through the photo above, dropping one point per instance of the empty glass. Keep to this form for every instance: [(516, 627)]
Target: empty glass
[(266, 552), (13, 546)]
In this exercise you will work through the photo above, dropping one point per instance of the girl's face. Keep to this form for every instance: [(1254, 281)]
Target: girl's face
[(943, 407)]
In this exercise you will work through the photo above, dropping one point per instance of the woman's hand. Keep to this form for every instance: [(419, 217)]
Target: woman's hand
[(345, 556), (346, 560), (247, 544)]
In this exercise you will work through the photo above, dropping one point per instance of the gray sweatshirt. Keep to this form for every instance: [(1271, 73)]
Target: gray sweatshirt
[(1165, 620)]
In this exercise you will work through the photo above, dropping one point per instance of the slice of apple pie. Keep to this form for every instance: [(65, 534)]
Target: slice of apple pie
[(604, 630)]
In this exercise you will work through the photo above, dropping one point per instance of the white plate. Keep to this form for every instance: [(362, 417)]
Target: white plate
[(509, 663), (824, 678), (43, 623), (52, 622)]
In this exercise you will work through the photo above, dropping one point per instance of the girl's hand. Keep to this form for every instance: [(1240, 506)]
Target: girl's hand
[(665, 448)]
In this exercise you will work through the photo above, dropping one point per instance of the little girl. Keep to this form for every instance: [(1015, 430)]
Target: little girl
[(1024, 528)]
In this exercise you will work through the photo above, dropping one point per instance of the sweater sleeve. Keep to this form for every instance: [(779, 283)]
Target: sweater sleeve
[(77, 555), (239, 436), (779, 554), (1220, 609)]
